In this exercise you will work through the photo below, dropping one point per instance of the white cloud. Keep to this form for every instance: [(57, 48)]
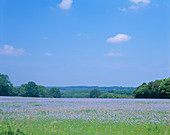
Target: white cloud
[(122, 9), (10, 50), (66, 4), (140, 1), (48, 54), (114, 54), (119, 38)]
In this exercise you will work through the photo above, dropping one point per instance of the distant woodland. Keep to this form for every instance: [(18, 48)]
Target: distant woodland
[(156, 89)]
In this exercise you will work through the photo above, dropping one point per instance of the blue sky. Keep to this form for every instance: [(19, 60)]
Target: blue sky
[(82, 42)]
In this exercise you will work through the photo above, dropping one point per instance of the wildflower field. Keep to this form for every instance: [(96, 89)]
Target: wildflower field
[(50, 116)]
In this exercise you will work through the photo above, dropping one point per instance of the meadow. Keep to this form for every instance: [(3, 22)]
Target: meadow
[(74, 116)]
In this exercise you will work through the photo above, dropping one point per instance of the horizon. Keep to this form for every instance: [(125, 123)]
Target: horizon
[(85, 43), (80, 86)]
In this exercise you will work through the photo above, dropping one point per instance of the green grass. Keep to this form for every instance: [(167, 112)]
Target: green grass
[(48, 126), (106, 118)]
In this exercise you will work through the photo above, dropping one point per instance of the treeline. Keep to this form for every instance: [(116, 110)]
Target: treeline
[(76, 94), (31, 89), (126, 93), (112, 94), (81, 88), (156, 89)]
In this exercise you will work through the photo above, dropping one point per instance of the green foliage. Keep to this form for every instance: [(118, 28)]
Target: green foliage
[(30, 89), (82, 88), (54, 92), (164, 88), (107, 95), (76, 94), (33, 90), (15, 91), (43, 91), (111, 95), (5, 85), (123, 92), (95, 93), (156, 89)]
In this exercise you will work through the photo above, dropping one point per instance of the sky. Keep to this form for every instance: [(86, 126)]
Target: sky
[(85, 42)]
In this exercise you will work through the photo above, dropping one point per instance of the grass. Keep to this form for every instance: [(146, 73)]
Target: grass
[(80, 117), (34, 126)]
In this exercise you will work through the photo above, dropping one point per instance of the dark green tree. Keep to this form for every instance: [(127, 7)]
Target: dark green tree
[(15, 91), (42, 91), (5, 85), (54, 92), (164, 88), (107, 95), (141, 91), (30, 89), (95, 93), (156, 89), (21, 91)]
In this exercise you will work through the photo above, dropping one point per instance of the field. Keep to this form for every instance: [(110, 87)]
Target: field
[(49, 116)]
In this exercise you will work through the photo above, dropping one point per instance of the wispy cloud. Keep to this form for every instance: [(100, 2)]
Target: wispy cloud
[(134, 7), (114, 54), (65, 4), (138, 3), (119, 38), (10, 50), (122, 9), (48, 54)]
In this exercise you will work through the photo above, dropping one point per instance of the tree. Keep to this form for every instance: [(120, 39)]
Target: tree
[(15, 91), (141, 91), (95, 93), (21, 90), (164, 88), (42, 90), (107, 95), (54, 92), (5, 85), (156, 89), (29, 90)]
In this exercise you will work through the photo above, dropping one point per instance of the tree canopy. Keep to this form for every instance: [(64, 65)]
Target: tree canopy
[(5, 85), (95, 93), (156, 89), (54, 92), (30, 89)]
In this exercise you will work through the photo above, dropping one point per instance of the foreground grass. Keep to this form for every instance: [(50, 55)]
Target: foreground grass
[(85, 116), (48, 126)]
